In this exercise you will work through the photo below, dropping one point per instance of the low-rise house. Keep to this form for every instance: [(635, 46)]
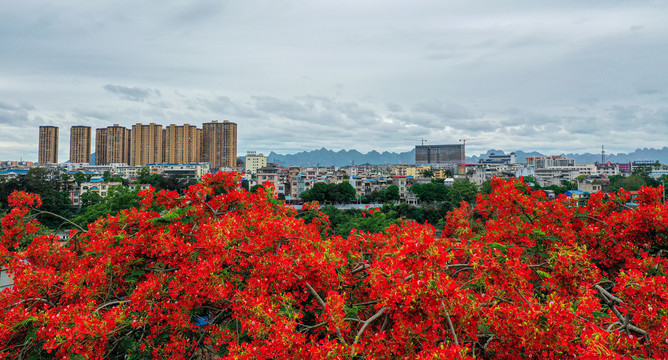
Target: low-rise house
[(97, 186)]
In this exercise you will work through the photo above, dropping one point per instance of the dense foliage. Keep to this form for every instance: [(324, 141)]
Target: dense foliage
[(330, 193), (52, 188), (219, 271), (461, 190)]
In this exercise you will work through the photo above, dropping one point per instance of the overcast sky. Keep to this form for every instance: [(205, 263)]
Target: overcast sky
[(552, 76)]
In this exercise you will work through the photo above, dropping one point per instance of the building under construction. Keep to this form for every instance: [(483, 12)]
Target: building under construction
[(440, 154)]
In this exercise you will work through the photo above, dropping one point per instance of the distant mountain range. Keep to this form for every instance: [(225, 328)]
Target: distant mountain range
[(325, 157)]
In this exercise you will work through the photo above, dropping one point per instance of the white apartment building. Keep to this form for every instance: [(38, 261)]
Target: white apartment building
[(255, 161)]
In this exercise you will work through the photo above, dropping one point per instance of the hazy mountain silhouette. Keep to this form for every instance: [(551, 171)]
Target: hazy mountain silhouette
[(325, 157)]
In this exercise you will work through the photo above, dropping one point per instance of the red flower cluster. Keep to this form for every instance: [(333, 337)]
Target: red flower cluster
[(218, 272)]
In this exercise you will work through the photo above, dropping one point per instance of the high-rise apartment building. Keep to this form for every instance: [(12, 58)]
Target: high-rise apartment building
[(101, 146), (146, 144), (219, 144), (80, 138), (48, 145), (112, 145), (182, 144)]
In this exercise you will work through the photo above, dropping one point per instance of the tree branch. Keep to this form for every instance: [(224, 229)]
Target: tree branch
[(58, 216), (452, 328), (114, 302), (324, 307), (366, 324), (360, 267)]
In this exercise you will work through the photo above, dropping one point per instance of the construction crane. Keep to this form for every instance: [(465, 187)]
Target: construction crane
[(464, 146), (422, 140), (465, 140)]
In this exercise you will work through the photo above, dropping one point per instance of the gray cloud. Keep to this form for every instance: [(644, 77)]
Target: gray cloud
[(132, 93), (445, 110), (317, 109), (14, 114), (302, 75), (225, 107)]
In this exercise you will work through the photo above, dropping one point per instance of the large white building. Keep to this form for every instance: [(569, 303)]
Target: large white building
[(255, 161), (552, 170)]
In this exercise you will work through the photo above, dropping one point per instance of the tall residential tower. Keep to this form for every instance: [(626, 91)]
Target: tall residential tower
[(48, 145), (146, 146), (182, 144), (112, 145), (80, 138), (219, 144)]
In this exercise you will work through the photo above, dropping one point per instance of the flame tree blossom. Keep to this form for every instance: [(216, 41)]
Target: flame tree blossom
[(219, 272)]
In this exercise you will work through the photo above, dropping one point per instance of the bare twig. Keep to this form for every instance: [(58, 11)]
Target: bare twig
[(114, 302), (607, 294), (522, 295), (58, 216), (385, 322), (360, 267), (366, 324), (353, 319), (44, 300), (322, 304), (452, 328), (624, 320), (366, 303), (311, 327)]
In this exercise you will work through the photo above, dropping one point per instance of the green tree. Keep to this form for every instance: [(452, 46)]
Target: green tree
[(80, 177), (347, 192), (317, 193), (391, 193), (53, 190), (431, 192), (629, 183), (144, 175), (533, 182), (89, 198), (118, 198), (486, 187), (332, 195), (463, 190), (428, 173), (377, 222)]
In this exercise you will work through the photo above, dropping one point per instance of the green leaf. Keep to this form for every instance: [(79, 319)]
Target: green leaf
[(543, 274), (599, 315), (483, 329), (134, 276), (503, 248)]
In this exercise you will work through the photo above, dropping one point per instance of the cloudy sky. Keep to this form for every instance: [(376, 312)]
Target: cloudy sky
[(552, 76)]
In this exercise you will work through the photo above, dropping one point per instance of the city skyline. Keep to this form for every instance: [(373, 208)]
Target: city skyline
[(143, 144), (552, 77)]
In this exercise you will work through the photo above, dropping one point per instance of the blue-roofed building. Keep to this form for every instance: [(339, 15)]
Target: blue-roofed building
[(576, 194), (12, 173)]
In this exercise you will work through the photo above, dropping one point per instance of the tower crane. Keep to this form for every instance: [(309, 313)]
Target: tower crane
[(423, 140), (464, 146), (465, 140)]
